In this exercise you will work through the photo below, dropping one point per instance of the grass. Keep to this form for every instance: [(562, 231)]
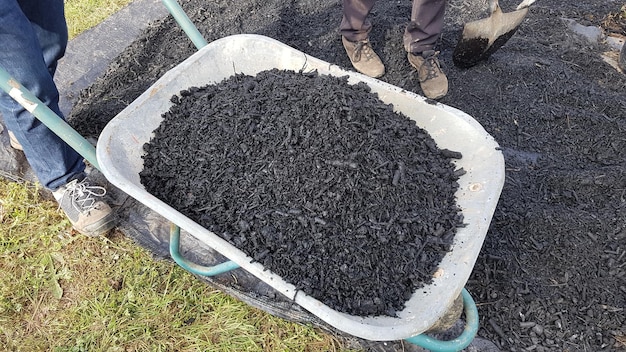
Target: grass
[(61, 291), (84, 14)]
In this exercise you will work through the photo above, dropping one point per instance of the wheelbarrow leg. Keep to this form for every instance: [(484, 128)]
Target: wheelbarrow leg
[(471, 328), (192, 267)]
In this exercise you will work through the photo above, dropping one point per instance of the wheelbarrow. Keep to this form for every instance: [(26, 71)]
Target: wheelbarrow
[(118, 155)]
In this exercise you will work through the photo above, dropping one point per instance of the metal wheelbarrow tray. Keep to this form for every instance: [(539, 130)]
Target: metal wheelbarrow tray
[(120, 148)]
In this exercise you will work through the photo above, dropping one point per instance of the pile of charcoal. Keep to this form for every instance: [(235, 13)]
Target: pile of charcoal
[(316, 179)]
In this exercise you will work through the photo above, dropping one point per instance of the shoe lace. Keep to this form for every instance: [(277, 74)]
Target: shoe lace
[(362, 46), (431, 64), (83, 195)]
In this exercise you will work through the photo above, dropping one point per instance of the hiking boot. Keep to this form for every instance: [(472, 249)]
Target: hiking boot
[(83, 205), (433, 81), (363, 57), (14, 143)]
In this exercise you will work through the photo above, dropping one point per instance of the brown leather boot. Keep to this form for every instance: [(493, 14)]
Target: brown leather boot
[(433, 81), (363, 57)]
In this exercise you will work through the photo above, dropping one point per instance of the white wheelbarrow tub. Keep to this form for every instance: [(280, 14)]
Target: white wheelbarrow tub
[(120, 148)]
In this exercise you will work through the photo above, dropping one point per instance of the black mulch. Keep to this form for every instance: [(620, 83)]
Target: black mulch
[(318, 180)]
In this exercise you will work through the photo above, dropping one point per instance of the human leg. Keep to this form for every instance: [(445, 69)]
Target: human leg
[(30, 50), (354, 25), (47, 19), (426, 25), (420, 37), (33, 37), (354, 29)]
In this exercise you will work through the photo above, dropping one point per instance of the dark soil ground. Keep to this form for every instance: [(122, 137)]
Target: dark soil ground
[(552, 272)]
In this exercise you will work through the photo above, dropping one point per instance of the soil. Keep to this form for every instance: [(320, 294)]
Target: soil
[(552, 272)]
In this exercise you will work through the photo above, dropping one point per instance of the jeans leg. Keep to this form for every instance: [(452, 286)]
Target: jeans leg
[(48, 21), (33, 37), (426, 25)]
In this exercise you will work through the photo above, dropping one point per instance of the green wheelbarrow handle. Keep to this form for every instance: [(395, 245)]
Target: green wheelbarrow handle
[(58, 125), (48, 117), (185, 23)]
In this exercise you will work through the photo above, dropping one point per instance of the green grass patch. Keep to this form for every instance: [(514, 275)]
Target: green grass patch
[(85, 14)]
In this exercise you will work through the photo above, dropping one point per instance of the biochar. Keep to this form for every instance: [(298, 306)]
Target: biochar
[(316, 179)]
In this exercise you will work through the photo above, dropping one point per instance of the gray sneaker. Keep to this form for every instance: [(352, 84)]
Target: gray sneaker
[(433, 81), (363, 57), (83, 205)]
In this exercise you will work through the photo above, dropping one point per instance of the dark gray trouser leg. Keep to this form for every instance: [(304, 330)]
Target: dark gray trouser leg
[(426, 25), (355, 26)]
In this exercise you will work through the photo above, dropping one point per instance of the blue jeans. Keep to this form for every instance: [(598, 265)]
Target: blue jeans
[(33, 37)]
